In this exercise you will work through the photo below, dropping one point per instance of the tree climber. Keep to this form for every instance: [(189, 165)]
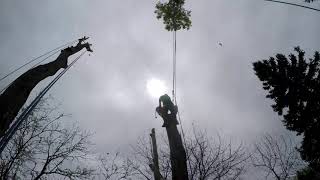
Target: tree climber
[(166, 106), (14, 97), (175, 17)]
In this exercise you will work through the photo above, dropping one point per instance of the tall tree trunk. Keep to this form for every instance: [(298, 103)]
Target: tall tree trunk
[(14, 97), (177, 151), (155, 157)]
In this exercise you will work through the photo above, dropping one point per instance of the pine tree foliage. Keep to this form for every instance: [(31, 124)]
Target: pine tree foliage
[(174, 16), (294, 84)]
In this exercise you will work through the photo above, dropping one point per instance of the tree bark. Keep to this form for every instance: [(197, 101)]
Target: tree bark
[(177, 151), (14, 97), (155, 157)]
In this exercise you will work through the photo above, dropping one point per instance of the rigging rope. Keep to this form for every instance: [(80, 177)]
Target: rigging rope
[(46, 58), (293, 4), (34, 59), (174, 82), (5, 139), (2, 90), (174, 62)]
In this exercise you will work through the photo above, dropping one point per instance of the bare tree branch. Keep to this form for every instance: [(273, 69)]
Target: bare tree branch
[(277, 157), (42, 147)]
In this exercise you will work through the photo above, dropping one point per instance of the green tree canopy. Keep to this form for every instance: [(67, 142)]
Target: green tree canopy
[(174, 16), (294, 85)]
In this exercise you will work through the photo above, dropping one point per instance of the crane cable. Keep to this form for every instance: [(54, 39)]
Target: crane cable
[(174, 82), (34, 59), (5, 139)]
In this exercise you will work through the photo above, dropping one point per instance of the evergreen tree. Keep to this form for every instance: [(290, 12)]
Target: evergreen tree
[(294, 84)]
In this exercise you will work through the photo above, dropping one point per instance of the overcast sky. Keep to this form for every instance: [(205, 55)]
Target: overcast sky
[(106, 92)]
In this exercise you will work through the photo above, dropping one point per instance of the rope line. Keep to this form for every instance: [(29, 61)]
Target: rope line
[(45, 58), (175, 93), (174, 83), (5, 139), (293, 4), (34, 59), (173, 65), (2, 90)]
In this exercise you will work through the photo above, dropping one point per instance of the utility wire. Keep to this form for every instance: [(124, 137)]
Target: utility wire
[(34, 59), (293, 4), (5, 139)]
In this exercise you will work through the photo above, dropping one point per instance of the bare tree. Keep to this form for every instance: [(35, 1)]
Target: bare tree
[(42, 148), (143, 162), (207, 159), (210, 159), (114, 167), (277, 157)]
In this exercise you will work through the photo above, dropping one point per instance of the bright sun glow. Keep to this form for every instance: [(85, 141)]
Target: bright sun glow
[(156, 87)]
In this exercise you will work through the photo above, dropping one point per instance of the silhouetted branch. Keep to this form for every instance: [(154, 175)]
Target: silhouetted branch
[(42, 148), (214, 159), (277, 157)]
